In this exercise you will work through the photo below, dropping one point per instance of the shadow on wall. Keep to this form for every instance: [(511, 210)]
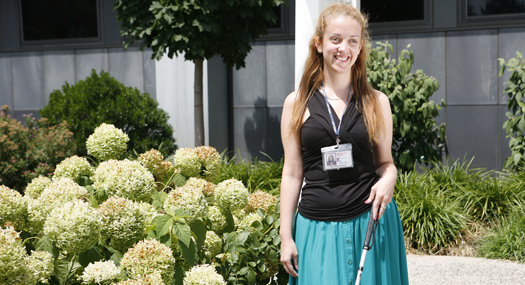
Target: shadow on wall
[(262, 132)]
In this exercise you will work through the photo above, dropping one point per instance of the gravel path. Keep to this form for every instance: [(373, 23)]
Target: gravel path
[(450, 270)]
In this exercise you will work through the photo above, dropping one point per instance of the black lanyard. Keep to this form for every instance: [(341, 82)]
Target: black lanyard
[(336, 130)]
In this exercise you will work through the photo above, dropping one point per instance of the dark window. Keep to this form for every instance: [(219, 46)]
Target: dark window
[(59, 19), (479, 8), (278, 11), (393, 11)]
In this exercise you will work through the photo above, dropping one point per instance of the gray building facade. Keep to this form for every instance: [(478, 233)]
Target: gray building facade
[(244, 106)]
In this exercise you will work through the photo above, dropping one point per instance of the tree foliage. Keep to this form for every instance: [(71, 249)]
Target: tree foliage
[(417, 137), (200, 29), (101, 98), (515, 125)]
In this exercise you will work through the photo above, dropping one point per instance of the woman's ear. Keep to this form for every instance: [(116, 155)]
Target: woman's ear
[(319, 46)]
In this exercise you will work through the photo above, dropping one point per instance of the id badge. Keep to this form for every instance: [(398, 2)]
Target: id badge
[(337, 157)]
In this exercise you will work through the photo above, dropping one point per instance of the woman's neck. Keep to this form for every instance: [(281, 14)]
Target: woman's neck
[(337, 85)]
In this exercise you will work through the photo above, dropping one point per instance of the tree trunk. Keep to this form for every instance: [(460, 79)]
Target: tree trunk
[(199, 106)]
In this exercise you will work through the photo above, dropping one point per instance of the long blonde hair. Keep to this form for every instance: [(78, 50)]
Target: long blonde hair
[(313, 75)]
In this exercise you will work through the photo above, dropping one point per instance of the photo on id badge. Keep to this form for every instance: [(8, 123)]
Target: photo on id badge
[(337, 157)]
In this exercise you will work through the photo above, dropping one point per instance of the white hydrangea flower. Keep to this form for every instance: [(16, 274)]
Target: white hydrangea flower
[(188, 198), (149, 211), (57, 193), (231, 194), (154, 278), (100, 272), (107, 142), (123, 222), (208, 188), (217, 218), (188, 162), (124, 178), (37, 186), (248, 220), (210, 159), (73, 167), (13, 266), (41, 262), (260, 200), (212, 244), (203, 274), (162, 169), (73, 227), (63, 190), (13, 208), (147, 257)]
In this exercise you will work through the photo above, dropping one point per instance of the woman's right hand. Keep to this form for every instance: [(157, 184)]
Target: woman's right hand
[(289, 256)]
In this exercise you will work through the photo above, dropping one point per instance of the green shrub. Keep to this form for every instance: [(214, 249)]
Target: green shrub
[(255, 174), (489, 199), (454, 176), (515, 125), (431, 221), (32, 150), (102, 99), (417, 138), (505, 239)]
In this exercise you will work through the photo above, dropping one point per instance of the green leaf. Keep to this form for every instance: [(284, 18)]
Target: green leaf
[(244, 271), (517, 158), (199, 229), (189, 252), (242, 237), (89, 256), (45, 244), (61, 270), (183, 233), (179, 275), (116, 257), (163, 224), (251, 277), (65, 270)]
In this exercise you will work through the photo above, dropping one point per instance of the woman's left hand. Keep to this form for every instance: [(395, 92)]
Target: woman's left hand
[(381, 195)]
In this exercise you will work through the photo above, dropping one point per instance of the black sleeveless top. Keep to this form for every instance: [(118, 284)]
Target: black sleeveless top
[(335, 195)]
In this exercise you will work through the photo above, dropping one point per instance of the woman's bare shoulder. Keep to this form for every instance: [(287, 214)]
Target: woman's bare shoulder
[(291, 98), (383, 99)]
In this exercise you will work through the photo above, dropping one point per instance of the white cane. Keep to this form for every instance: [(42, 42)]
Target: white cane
[(370, 230)]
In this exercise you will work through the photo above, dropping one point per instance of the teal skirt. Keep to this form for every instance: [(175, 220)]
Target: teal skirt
[(330, 252)]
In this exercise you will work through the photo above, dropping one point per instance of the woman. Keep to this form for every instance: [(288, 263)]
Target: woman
[(321, 243)]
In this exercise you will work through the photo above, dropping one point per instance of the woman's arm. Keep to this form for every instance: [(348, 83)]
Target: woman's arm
[(291, 184), (382, 192)]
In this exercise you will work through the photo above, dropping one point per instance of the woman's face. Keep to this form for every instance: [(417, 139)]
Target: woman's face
[(341, 44)]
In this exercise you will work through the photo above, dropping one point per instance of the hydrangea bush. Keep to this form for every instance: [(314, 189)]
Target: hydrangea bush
[(203, 274), (101, 272), (73, 167), (147, 257), (13, 266), (146, 221), (13, 207), (123, 222), (107, 142), (203, 161), (73, 227), (37, 186), (124, 178), (57, 193)]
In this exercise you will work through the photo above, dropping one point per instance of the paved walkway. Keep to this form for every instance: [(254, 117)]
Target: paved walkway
[(451, 270)]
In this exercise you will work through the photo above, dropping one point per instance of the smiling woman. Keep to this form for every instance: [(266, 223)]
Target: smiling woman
[(323, 232)]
